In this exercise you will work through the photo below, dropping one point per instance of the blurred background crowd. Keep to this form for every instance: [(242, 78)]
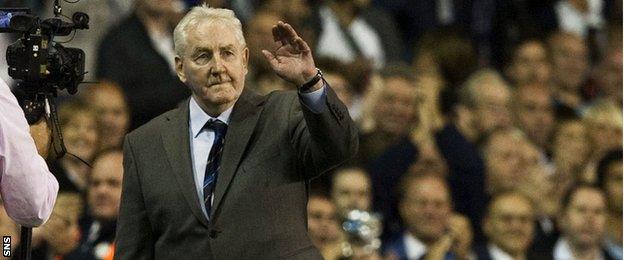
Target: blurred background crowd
[(489, 129)]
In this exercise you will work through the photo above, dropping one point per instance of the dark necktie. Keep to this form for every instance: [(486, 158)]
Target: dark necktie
[(214, 159)]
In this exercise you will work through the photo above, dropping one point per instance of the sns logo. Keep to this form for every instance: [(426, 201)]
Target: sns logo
[(6, 246)]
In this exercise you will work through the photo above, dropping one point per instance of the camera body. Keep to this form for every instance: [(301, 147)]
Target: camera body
[(42, 65)]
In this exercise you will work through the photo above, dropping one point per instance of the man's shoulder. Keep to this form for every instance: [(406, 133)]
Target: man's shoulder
[(154, 127)]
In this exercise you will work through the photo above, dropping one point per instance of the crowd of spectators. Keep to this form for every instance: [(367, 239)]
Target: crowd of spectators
[(488, 129)]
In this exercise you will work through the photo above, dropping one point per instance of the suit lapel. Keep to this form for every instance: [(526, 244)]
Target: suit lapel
[(175, 137), (240, 128)]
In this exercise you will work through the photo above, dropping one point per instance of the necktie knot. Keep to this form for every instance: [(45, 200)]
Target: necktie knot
[(216, 125)]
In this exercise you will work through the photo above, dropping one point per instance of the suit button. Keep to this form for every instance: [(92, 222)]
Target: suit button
[(213, 233)]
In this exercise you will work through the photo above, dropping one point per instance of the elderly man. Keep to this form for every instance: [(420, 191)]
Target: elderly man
[(225, 175)]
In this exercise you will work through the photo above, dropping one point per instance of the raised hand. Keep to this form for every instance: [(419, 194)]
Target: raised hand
[(293, 60)]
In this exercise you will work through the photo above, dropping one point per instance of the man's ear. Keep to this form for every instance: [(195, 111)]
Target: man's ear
[(179, 66), (245, 58)]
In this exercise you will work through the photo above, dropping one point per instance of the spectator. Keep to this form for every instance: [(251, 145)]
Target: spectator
[(508, 225), (351, 30), (570, 63), (394, 112), (425, 207), (583, 224), (80, 133), (529, 63), (478, 107), (534, 113), (61, 234), (580, 17), (571, 148), (604, 123), (323, 226), (103, 197), (351, 189), (138, 55), (608, 73), (487, 97), (112, 112), (503, 158), (610, 180)]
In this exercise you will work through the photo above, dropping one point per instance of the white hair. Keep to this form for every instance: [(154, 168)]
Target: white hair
[(208, 15)]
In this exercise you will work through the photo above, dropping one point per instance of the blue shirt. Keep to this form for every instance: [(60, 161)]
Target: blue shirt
[(201, 139)]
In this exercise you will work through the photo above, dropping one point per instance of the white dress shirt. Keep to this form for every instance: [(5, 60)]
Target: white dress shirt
[(563, 251), (414, 248), (575, 21), (201, 139), (497, 253), (333, 43)]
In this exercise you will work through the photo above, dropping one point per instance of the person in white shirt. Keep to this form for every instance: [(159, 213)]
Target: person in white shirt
[(583, 224)]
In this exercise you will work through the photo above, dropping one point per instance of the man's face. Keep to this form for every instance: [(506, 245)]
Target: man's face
[(584, 221), (351, 190), (396, 108), (613, 186), (105, 186), (504, 160), (571, 146), (113, 115), (323, 225), (570, 62), (426, 209), (492, 109), (604, 134), (509, 224), (534, 113), (530, 64), (213, 65)]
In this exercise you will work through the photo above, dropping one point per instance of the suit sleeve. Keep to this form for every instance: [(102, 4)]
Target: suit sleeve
[(325, 139), (134, 238)]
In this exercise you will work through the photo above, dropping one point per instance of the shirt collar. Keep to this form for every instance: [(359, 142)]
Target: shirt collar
[(563, 251), (497, 253), (414, 248), (199, 118)]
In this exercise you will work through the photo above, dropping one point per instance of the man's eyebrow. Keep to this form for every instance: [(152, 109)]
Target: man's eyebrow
[(227, 47), (201, 49)]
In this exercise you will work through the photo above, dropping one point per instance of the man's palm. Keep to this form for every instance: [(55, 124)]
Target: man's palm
[(293, 60)]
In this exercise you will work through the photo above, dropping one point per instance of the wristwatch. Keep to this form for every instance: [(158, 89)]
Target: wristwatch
[(306, 86)]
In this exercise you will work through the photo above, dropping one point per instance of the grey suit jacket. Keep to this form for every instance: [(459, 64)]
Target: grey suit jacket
[(274, 146)]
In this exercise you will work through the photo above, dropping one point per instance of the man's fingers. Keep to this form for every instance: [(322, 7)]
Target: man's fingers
[(276, 35), (270, 58), (289, 32), (301, 44)]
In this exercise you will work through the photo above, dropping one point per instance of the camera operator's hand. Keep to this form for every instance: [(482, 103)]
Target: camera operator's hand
[(42, 135)]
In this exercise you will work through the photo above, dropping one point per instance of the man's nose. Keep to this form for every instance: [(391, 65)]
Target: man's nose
[(217, 66)]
